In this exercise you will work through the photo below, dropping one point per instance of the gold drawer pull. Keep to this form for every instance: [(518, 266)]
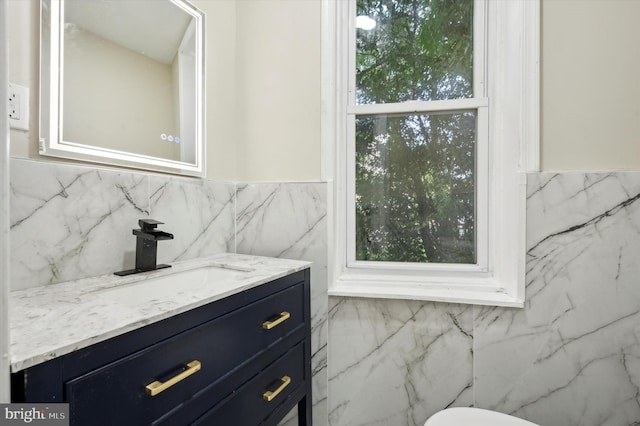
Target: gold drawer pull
[(156, 387), (268, 325), (270, 395)]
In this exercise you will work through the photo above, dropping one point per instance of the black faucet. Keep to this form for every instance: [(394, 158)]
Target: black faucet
[(147, 238)]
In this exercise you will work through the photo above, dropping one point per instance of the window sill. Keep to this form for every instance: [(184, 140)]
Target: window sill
[(468, 294)]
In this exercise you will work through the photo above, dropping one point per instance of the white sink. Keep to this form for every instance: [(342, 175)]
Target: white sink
[(165, 288)]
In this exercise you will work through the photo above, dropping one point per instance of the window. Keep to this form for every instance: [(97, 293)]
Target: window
[(431, 121), (413, 164)]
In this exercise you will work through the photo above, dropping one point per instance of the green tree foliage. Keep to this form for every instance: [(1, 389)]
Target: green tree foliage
[(415, 173)]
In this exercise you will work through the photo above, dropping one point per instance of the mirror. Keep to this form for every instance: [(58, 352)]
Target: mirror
[(122, 83)]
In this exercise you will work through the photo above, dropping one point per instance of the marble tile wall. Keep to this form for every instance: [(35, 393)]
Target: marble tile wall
[(201, 213), (394, 362), (290, 221), (70, 222), (571, 357)]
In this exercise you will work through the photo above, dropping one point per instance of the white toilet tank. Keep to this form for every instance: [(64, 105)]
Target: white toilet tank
[(466, 416)]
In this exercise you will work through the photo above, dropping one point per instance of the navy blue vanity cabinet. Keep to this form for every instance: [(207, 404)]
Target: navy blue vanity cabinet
[(241, 361)]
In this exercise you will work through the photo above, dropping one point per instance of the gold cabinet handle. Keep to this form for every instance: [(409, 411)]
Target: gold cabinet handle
[(156, 387), (268, 325), (270, 395)]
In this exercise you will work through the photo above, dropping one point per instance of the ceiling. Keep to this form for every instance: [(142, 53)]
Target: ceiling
[(151, 27)]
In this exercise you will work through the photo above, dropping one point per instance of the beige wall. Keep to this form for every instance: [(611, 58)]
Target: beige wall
[(590, 85), (221, 86), (278, 95), (263, 85), (23, 18), (141, 84)]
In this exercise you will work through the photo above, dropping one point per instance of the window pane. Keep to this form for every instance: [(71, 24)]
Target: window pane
[(417, 50), (415, 188)]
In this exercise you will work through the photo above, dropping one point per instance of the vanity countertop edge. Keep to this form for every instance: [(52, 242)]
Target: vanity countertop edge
[(54, 320)]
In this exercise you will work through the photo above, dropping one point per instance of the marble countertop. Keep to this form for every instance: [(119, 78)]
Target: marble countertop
[(54, 320)]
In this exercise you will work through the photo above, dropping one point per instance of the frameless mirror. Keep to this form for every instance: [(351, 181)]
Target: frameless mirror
[(122, 82)]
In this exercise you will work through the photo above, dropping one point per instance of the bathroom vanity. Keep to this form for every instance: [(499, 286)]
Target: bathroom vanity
[(222, 341)]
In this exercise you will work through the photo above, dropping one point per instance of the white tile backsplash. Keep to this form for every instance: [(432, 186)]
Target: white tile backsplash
[(199, 213), (70, 222)]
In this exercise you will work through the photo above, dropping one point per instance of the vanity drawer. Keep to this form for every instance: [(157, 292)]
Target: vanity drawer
[(251, 404), (118, 391)]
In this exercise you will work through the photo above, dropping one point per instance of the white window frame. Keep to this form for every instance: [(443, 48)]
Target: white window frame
[(507, 104)]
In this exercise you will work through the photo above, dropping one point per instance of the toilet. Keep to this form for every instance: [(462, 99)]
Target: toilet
[(466, 416)]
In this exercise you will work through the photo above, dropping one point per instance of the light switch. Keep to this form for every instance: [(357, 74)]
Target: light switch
[(18, 107)]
